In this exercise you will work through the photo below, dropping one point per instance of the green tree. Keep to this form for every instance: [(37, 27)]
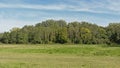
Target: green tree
[(113, 31), (21, 37), (85, 35), (5, 38), (61, 36)]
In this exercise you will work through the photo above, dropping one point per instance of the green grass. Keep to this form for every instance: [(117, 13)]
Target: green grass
[(59, 56)]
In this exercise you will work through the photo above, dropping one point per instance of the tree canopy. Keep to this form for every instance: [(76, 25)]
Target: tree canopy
[(59, 31)]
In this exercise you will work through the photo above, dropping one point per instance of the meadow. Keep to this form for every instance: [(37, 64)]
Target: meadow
[(59, 56)]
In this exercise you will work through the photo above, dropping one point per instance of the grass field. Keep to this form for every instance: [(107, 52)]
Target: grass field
[(59, 56)]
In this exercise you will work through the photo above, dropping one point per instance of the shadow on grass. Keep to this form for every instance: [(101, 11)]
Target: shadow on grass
[(111, 45)]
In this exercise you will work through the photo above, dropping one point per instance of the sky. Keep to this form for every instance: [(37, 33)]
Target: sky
[(17, 13)]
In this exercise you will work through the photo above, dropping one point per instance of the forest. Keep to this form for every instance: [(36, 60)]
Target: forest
[(62, 32)]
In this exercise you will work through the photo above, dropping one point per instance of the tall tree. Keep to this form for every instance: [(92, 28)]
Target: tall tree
[(61, 36), (5, 38)]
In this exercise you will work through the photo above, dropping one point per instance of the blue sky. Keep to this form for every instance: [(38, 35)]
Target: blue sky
[(17, 13)]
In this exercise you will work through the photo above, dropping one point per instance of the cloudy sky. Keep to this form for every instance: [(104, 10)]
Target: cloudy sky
[(17, 13)]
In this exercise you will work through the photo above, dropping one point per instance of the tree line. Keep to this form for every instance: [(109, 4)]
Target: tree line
[(59, 31)]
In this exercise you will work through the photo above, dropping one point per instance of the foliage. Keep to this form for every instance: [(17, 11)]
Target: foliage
[(59, 31)]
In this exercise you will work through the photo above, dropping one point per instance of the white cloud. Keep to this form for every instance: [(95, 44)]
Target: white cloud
[(28, 6), (95, 6), (45, 7)]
